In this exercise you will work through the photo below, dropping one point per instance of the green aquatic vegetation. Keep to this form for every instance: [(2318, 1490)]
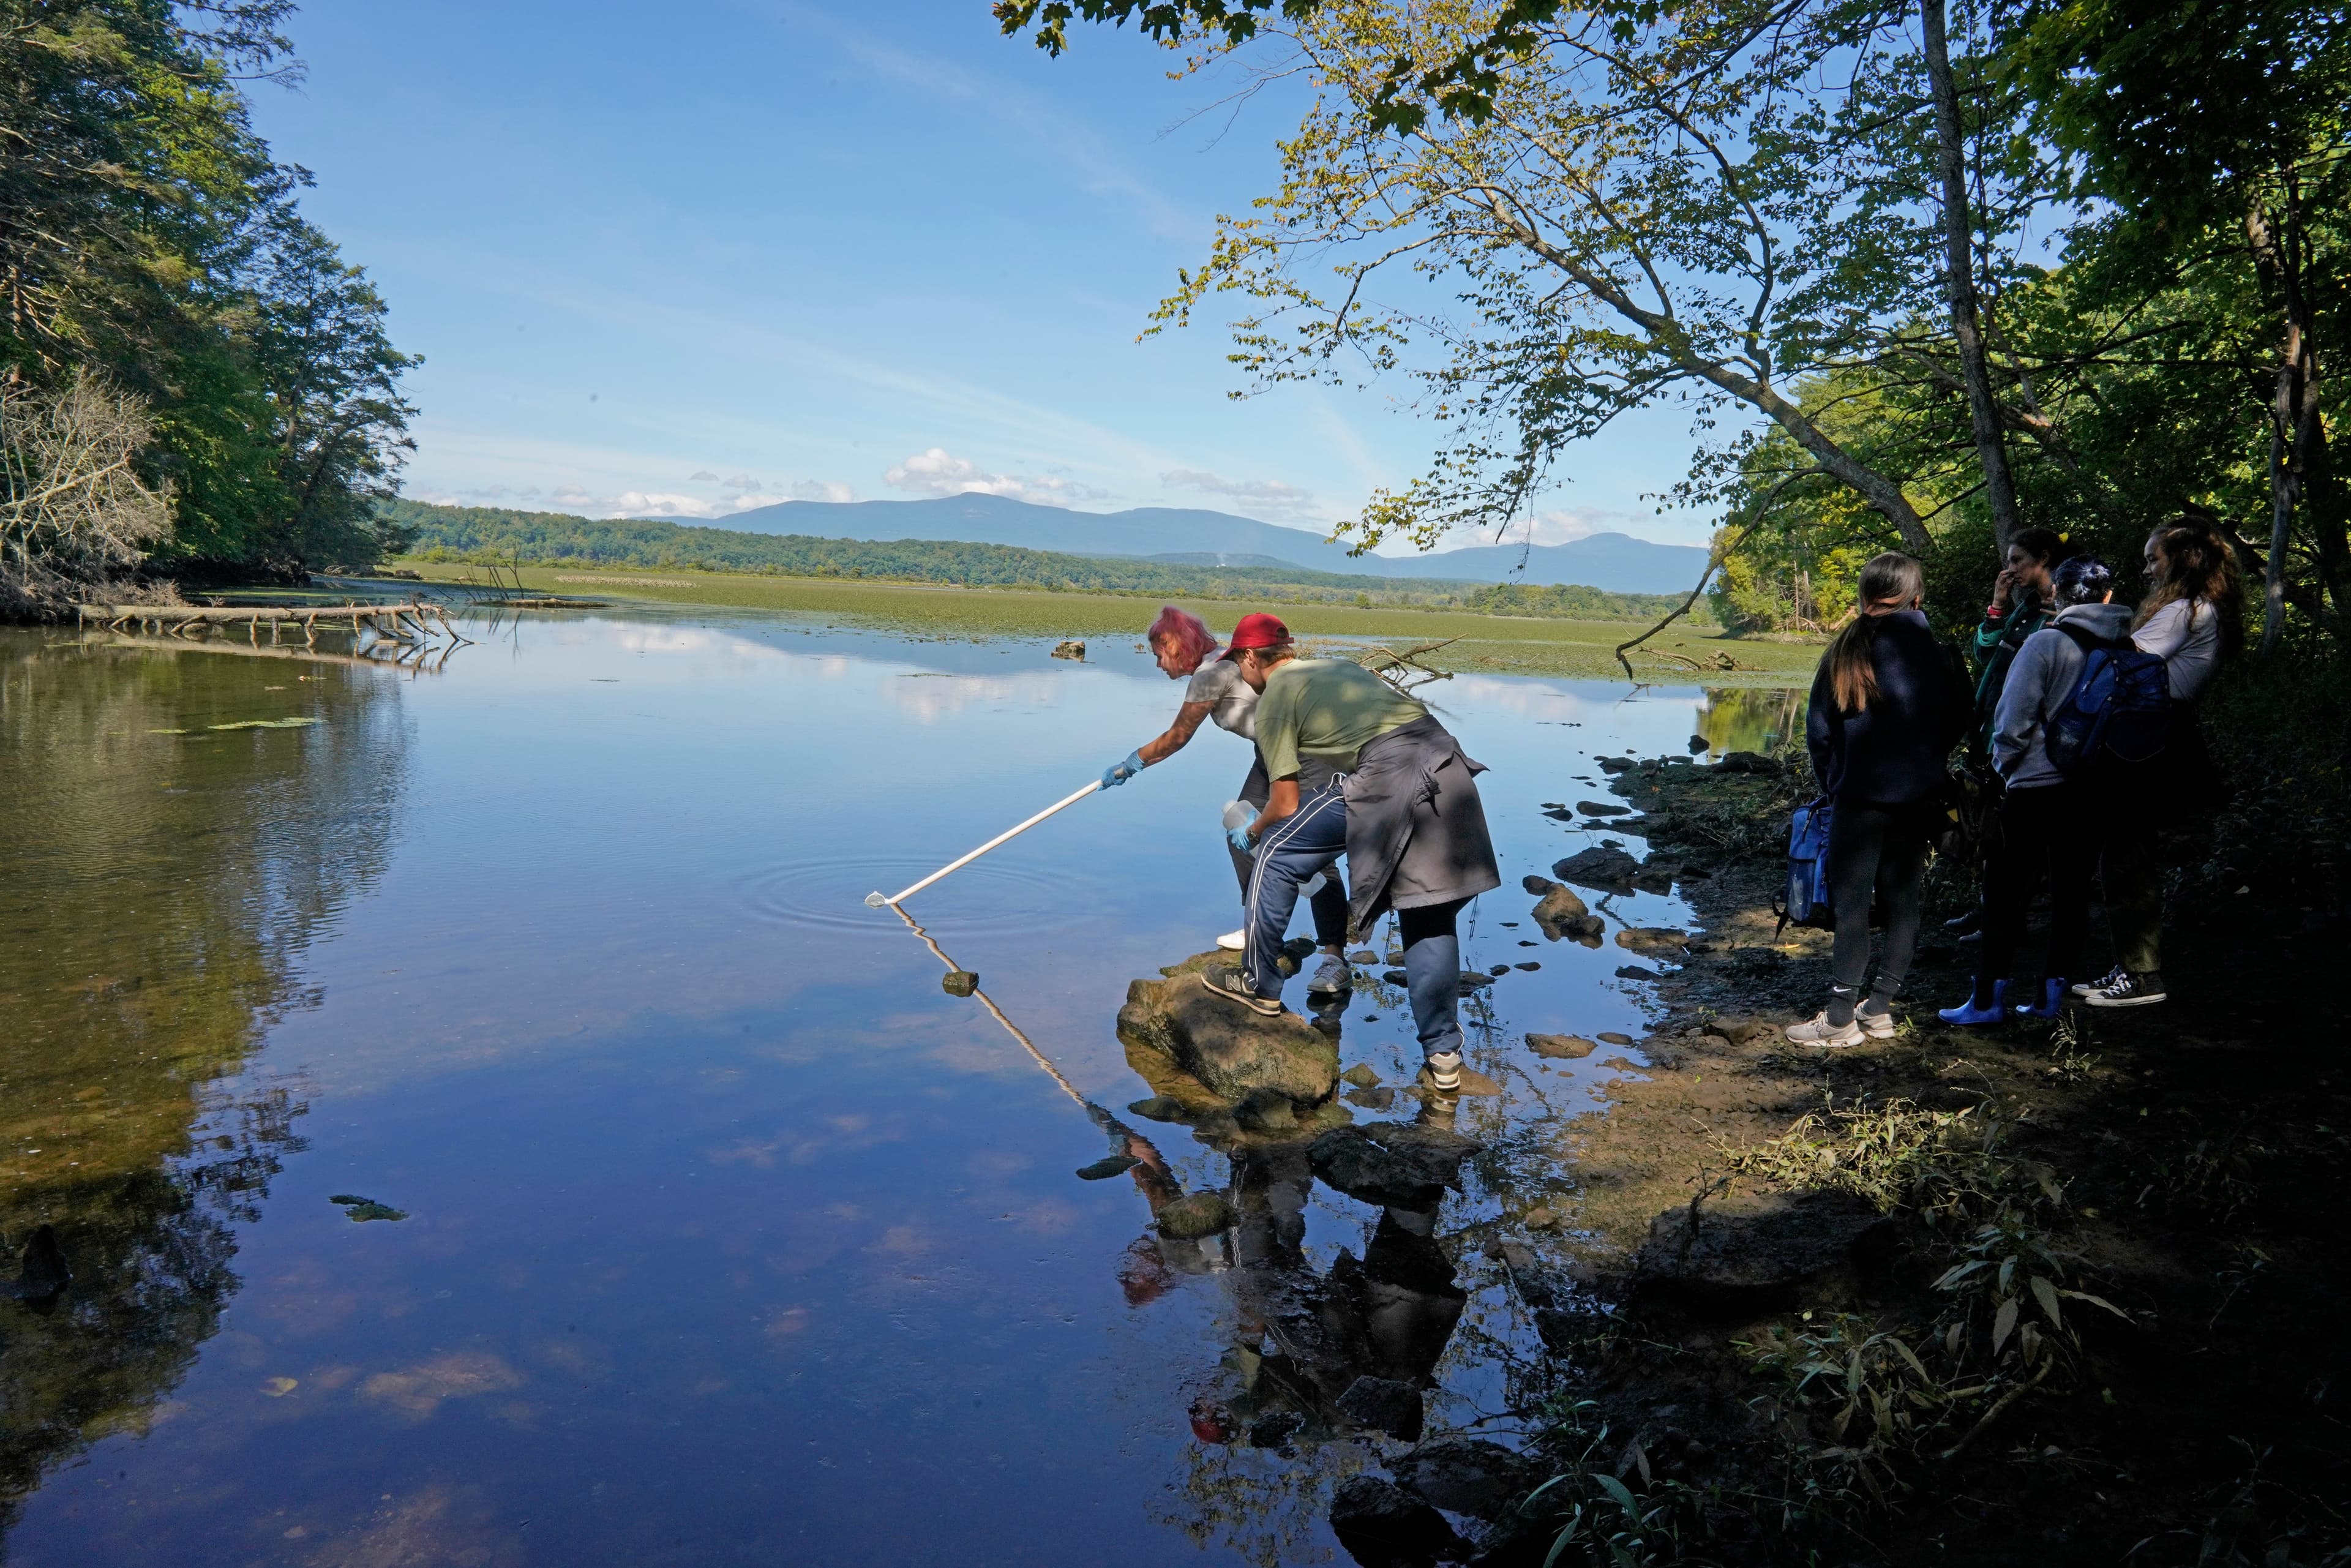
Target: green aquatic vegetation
[(359, 1210), (298, 721)]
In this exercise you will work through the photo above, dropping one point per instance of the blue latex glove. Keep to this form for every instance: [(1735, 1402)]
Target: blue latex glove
[(1118, 773), (1239, 839)]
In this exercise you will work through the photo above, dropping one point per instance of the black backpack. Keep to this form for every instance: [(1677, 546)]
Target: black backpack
[(2118, 713)]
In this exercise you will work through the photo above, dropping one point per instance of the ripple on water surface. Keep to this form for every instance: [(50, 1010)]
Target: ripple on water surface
[(830, 893)]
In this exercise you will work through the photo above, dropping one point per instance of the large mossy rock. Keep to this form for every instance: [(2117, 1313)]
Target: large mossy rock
[(1232, 1052)]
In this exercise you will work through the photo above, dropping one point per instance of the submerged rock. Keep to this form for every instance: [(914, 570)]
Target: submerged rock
[(1561, 1047), (1654, 941), (1391, 1162), (1190, 1219), (1379, 1098), (1229, 1048), (359, 1210), (1562, 914), (1384, 1526), (1108, 1167), (1384, 1404), (1360, 1076), (1600, 868)]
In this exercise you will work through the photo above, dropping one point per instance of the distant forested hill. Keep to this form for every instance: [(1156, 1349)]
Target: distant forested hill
[(554, 538)]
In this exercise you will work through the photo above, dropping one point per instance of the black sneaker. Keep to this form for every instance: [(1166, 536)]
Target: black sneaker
[(1234, 986), (2084, 987), (2130, 991)]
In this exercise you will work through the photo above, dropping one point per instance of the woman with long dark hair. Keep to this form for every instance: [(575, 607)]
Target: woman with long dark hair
[(2048, 821), (1887, 706), (2193, 618)]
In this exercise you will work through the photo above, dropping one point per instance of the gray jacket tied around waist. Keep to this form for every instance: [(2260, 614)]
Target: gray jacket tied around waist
[(1417, 833)]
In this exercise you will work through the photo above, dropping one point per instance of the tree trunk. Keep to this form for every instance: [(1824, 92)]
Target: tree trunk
[(2278, 245), (1958, 259)]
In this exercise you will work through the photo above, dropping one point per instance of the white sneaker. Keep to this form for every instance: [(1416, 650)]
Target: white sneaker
[(1876, 1026), (1818, 1030), (1332, 977), (1234, 941), (1443, 1072)]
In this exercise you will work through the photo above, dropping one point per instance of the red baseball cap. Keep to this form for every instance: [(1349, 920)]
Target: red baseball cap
[(1256, 631)]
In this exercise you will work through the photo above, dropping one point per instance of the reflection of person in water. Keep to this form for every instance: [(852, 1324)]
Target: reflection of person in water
[(1313, 1354), (1217, 693)]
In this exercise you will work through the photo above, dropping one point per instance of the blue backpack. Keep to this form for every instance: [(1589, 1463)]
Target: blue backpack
[(1806, 900), (2118, 713)]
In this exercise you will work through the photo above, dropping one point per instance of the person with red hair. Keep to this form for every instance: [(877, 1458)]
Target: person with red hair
[(1183, 644)]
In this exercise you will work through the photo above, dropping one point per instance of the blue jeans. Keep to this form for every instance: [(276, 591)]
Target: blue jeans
[(1289, 854)]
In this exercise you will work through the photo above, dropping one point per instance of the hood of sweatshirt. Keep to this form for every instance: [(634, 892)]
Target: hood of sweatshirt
[(2108, 621)]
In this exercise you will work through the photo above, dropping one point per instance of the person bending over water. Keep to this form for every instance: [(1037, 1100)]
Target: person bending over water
[(1360, 770), (1887, 706), (1183, 644)]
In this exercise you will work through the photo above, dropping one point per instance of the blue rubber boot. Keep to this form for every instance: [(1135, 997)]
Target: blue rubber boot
[(1968, 1014), (2052, 1002)]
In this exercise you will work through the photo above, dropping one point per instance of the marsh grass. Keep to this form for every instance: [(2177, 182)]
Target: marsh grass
[(1494, 644)]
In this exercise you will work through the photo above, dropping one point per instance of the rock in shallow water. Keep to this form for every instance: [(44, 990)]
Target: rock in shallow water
[(1561, 1047), (959, 982), (1158, 1108), (1391, 1162), (1231, 1051), (1607, 870), (1108, 1167), (1384, 1526), (1190, 1219), (1360, 1076), (1467, 1475), (1384, 1404)]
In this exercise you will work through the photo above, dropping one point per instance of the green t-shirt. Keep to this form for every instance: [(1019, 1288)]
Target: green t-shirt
[(1325, 711)]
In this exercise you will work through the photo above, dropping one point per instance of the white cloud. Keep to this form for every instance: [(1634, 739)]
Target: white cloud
[(1263, 495), (822, 490), (569, 493), (742, 481), (937, 472), (702, 476), (639, 503)]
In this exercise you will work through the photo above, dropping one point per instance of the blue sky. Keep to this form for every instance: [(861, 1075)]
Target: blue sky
[(686, 259)]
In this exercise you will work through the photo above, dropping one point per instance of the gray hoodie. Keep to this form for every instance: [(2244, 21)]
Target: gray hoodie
[(2038, 684)]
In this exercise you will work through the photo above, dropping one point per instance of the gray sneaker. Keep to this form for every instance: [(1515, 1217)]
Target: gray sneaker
[(1233, 986), (1331, 979), (1876, 1025), (1818, 1030), (1442, 1073)]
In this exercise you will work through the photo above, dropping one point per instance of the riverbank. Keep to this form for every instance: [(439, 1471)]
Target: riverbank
[(1489, 643), (2047, 1293)]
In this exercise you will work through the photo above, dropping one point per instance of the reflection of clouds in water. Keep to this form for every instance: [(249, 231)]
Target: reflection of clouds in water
[(1522, 698), (927, 695), (419, 1391)]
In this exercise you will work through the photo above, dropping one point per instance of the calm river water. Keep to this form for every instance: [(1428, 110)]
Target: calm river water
[(483, 1125)]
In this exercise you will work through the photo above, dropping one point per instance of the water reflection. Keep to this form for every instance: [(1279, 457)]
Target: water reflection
[(175, 845), (1751, 718)]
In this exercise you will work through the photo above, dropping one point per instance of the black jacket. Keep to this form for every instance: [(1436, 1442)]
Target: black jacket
[(1895, 751)]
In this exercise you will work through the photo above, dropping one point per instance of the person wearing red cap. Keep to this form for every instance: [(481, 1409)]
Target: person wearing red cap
[(1183, 645), (1359, 769)]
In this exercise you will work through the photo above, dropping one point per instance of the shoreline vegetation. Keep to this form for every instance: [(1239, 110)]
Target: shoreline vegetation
[(1480, 643), (2049, 1293)]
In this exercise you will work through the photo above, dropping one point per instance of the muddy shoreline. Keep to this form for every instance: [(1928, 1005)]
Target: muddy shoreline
[(1721, 1308)]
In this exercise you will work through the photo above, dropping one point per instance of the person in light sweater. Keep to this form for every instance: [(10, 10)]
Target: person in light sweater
[(2192, 618)]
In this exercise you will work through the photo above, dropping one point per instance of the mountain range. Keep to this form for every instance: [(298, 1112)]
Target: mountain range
[(1617, 563)]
